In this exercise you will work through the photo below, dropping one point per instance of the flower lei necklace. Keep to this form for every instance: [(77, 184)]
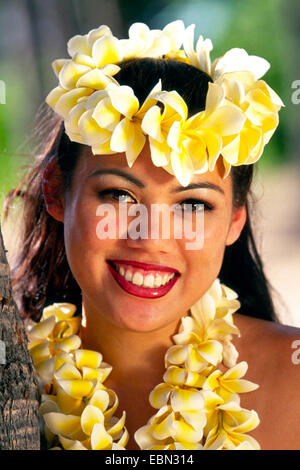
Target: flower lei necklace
[(198, 405)]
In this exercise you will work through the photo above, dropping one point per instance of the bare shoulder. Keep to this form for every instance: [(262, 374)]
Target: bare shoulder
[(272, 351), (278, 343)]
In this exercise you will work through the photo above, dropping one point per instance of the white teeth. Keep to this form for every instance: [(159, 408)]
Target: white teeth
[(149, 280), (146, 281), (137, 279), (128, 275), (122, 270), (157, 281)]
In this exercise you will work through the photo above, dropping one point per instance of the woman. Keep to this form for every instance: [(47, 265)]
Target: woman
[(133, 292)]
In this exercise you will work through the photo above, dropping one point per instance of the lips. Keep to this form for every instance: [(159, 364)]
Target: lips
[(144, 266), (141, 291)]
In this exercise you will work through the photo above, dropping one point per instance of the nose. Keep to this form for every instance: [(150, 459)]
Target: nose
[(150, 228)]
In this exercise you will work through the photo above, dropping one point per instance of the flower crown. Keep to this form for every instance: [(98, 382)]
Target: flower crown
[(240, 115)]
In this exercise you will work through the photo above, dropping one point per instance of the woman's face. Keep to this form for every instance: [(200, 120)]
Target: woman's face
[(110, 295)]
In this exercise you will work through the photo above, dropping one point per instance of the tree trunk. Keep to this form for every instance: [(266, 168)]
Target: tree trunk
[(19, 396)]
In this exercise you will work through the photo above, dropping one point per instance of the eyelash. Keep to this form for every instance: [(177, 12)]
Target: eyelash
[(207, 206)]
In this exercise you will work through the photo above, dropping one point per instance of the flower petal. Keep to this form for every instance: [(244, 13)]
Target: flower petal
[(211, 351), (91, 415), (67, 372), (78, 44), (97, 33), (144, 439), (54, 95), (184, 432), (182, 166), (43, 329), (124, 100), (100, 439), (95, 79), (61, 311), (68, 344), (106, 115), (160, 152), (159, 395), (151, 123), (59, 423), (87, 358), (183, 400), (106, 50), (91, 133), (117, 427), (100, 399), (77, 388), (70, 74)]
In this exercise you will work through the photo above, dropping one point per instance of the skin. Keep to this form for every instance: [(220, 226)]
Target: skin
[(132, 333)]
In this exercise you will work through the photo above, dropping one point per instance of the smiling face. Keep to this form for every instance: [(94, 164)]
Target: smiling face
[(106, 294)]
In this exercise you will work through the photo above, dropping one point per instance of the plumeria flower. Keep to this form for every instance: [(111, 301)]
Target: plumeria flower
[(200, 57), (260, 105), (180, 426), (240, 116), (80, 408), (220, 120), (235, 71), (179, 398), (188, 364), (231, 381), (88, 431), (110, 121), (229, 431), (198, 405), (236, 60), (76, 406), (128, 135), (55, 335), (93, 60), (190, 145), (144, 42), (91, 67), (157, 126), (209, 325)]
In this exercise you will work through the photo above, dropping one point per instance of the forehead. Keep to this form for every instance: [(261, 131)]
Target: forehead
[(144, 170)]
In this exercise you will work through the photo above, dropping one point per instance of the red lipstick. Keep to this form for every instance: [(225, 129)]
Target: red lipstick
[(140, 291), (145, 266)]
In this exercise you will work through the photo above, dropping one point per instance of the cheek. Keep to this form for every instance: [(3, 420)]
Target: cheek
[(204, 265), (84, 249), (80, 226)]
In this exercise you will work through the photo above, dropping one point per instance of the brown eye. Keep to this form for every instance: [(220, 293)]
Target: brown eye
[(116, 194), (195, 205)]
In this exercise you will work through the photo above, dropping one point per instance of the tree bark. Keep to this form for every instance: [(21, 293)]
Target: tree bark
[(19, 396)]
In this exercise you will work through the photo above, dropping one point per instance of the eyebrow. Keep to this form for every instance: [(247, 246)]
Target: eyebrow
[(137, 182), (115, 171)]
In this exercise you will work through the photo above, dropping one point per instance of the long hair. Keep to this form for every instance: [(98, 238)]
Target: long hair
[(41, 274)]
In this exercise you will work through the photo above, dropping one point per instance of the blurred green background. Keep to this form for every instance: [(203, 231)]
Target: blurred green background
[(34, 32)]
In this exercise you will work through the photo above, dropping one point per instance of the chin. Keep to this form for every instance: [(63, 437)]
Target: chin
[(140, 319)]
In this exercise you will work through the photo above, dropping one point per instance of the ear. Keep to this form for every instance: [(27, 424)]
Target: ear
[(238, 221), (52, 186)]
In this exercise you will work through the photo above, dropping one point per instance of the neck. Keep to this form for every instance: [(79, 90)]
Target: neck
[(131, 354)]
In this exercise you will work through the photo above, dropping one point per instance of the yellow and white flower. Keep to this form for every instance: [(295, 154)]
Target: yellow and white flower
[(76, 406), (240, 116), (198, 406)]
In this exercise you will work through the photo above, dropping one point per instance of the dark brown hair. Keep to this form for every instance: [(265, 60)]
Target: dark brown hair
[(41, 274)]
